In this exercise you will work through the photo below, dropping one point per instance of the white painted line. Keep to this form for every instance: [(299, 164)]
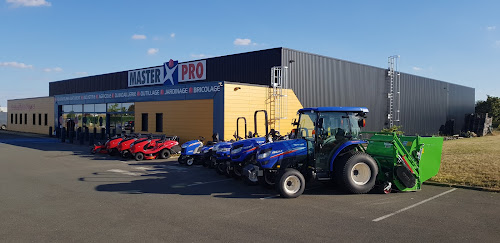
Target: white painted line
[(412, 206), (125, 172), (208, 182)]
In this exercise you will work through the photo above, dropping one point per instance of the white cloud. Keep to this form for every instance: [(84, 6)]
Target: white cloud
[(198, 56), (417, 68), (56, 69), (243, 42), (490, 28), (138, 37), (172, 35), (15, 65), (29, 3), (81, 74), (153, 51)]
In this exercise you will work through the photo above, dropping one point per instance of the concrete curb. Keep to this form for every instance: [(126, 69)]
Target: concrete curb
[(484, 189)]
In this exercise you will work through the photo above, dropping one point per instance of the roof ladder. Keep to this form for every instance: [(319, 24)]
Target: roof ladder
[(394, 93), (279, 96)]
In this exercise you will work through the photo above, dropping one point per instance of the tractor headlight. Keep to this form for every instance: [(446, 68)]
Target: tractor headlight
[(184, 146), (215, 148), (264, 154), (236, 150), (224, 149)]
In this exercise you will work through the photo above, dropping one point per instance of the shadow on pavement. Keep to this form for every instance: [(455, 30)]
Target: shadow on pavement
[(171, 178)]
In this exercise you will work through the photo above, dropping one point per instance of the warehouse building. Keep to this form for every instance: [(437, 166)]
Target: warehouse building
[(202, 97)]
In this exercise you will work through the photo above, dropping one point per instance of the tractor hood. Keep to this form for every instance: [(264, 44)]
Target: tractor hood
[(191, 143), (191, 147), (247, 144), (269, 155)]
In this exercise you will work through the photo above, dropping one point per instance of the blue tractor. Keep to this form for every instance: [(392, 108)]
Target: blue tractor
[(193, 152), (243, 151), (222, 156), (327, 147), (190, 152)]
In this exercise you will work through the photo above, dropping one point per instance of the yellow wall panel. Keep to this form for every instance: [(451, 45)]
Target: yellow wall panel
[(28, 107), (187, 119), (243, 100)]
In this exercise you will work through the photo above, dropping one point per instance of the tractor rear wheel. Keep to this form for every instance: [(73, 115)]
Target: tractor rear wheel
[(139, 156), (165, 154), (3, 127), (357, 173), (290, 183)]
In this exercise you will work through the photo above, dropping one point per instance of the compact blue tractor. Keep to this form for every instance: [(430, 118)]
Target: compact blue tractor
[(327, 147), (190, 151), (222, 156), (193, 152), (243, 151)]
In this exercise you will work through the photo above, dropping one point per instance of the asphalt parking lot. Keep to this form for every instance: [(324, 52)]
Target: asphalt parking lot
[(60, 192)]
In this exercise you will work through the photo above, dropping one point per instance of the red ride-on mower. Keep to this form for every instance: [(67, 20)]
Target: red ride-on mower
[(108, 147), (126, 144), (162, 149)]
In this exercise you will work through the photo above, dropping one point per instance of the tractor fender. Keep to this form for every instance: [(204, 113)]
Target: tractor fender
[(342, 147)]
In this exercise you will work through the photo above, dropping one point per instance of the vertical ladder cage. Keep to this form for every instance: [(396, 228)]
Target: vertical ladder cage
[(394, 92), (279, 94)]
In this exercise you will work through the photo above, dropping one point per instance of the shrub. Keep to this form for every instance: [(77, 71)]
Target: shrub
[(396, 129)]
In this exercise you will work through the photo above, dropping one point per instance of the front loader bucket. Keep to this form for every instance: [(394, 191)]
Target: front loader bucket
[(406, 161)]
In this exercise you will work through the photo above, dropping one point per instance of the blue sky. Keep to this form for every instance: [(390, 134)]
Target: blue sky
[(50, 40)]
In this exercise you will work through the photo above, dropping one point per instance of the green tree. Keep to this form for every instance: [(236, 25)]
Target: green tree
[(491, 106)]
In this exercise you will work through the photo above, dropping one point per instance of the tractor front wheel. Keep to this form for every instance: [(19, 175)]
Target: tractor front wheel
[(190, 161), (181, 159), (291, 183), (357, 173)]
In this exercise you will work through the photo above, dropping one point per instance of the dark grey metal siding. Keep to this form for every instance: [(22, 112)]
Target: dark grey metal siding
[(426, 104), (317, 80), (110, 81), (251, 67)]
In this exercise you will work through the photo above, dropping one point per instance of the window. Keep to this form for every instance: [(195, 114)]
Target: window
[(77, 108), (128, 107), (46, 116), (100, 108), (21, 119), (11, 118), (88, 108), (34, 115), (25, 119), (16, 118), (39, 119), (144, 122), (159, 122), (67, 108), (114, 107)]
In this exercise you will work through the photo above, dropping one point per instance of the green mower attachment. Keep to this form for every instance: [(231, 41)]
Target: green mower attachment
[(405, 161)]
